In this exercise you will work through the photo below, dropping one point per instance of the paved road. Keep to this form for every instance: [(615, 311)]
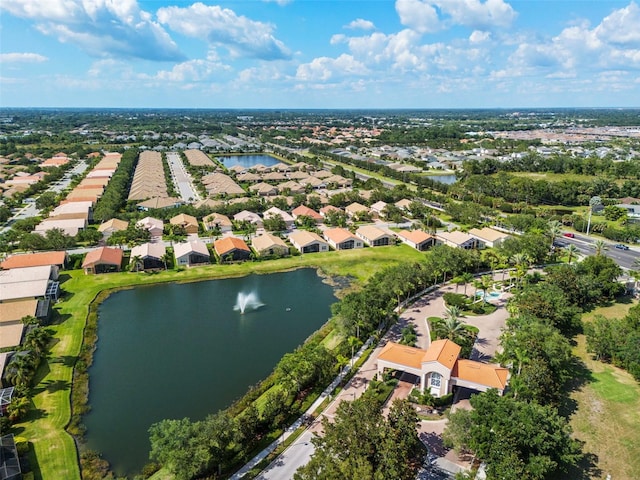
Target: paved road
[(29, 210), (181, 178), (585, 245)]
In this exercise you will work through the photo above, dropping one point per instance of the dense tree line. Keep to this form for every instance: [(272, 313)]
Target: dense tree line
[(522, 434), (115, 194), (617, 340), (361, 443)]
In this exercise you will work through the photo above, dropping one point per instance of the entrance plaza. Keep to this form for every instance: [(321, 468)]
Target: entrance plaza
[(487, 344)]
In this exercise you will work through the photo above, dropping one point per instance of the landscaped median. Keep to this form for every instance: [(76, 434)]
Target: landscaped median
[(54, 454)]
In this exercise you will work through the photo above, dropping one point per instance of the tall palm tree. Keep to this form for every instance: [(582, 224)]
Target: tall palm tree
[(20, 370), (165, 259), (554, 230), (572, 250), (600, 246), (521, 262), (468, 278), (486, 282)]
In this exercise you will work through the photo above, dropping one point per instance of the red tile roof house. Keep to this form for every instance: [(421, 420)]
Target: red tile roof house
[(342, 239), (439, 368), (231, 249), (305, 211), (308, 242), (374, 236), (329, 208), (417, 239), (102, 260), (57, 258), (191, 253)]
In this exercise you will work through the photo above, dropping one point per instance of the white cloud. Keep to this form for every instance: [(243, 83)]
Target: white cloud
[(22, 57), (360, 24), (478, 14), (579, 48), (99, 27), (324, 68), (419, 15), (223, 27), (429, 16), (622, 27), (478, 36)]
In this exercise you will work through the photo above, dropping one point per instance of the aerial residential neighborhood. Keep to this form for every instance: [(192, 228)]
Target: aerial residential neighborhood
[(449, 260)]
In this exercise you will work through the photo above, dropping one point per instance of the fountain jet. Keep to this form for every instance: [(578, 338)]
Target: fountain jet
[(247, 300)]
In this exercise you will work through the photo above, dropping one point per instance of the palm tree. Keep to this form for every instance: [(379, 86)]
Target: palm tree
[(37, 340), (18, 408), (468, 278), (450, 328), (452, 313), (554, 230), (20, 370), (137, 262), (165, 259), (521, 262), (486, 282), (572, 250), (600, 246)]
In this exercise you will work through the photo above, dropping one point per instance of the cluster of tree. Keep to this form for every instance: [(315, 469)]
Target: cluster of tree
[(115, 194), (361, 443), (21, 369), (558, 163), (616, 340), (515, 189), (522, 435)]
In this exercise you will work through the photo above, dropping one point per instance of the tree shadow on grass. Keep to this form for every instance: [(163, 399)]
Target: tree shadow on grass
[(52, 386), (66, 360), (579, 376), (585, 469)]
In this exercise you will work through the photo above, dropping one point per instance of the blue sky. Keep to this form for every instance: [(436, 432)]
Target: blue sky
[(319, 54)]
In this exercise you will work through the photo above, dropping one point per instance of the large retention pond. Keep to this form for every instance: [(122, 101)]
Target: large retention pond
[(181, 350), (248, 161)]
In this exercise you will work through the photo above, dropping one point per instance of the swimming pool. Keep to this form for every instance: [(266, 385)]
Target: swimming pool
[(493, 294)]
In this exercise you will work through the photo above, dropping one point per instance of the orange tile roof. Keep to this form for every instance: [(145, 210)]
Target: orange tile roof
[(306, 211), (444, 352), (228, 244), (338, 235), (34, 260), (102, 255), (415, 236), (402, 355), (493, 376)]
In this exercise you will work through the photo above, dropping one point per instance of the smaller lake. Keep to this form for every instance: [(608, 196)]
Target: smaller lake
[(248, 161), (184, 350)]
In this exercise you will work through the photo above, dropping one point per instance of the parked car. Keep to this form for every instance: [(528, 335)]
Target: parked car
[(620, 246), (568, 235)]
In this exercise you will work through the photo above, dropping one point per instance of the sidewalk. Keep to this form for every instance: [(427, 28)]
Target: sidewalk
[(292, 428)]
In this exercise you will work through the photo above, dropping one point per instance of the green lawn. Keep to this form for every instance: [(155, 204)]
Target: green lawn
[(607, 417), (54, 454)]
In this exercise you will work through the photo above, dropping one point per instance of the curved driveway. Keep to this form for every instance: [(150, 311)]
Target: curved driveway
[(428, 305)]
